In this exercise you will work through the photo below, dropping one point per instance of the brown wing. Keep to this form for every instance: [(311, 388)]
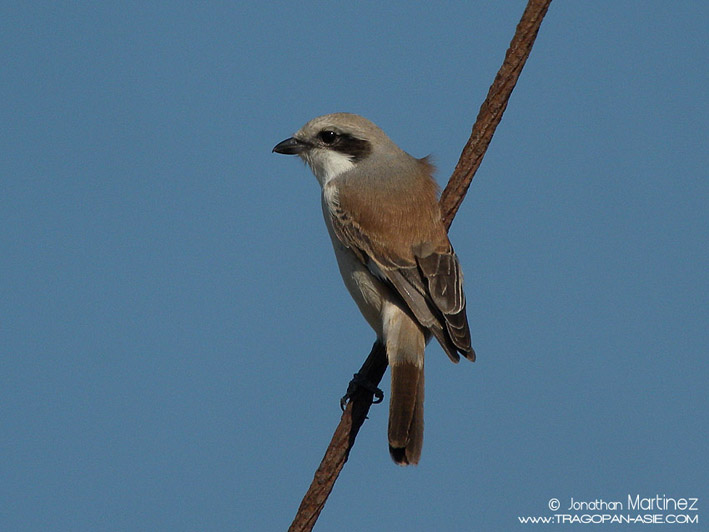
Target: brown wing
[(445, 285), (428, 278)]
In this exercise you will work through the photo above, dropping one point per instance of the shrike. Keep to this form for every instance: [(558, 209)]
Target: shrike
[(381, 210)]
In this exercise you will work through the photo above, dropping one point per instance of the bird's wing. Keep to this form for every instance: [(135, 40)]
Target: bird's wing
[(428, 278)]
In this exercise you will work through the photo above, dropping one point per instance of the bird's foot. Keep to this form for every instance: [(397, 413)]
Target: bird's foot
[(358, 381)]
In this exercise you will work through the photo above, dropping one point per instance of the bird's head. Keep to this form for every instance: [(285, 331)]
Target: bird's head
[(335, 143)]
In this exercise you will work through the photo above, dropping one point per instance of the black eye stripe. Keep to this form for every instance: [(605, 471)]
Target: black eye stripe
[(357, 149), (346, 143)]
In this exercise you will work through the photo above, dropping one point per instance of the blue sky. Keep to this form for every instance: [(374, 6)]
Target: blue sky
[(174, 334)]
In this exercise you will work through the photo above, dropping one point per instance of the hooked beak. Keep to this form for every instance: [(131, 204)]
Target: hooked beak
[(291, 146)]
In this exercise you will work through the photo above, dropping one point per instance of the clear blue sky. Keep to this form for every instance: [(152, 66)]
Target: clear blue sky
[(175, 336)]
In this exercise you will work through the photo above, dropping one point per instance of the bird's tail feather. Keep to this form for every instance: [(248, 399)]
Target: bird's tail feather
[(405, 350)]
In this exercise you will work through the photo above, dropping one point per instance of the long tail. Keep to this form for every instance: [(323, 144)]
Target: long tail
[(405, 345)]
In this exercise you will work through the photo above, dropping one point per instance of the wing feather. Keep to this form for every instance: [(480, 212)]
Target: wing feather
[(430, 283)]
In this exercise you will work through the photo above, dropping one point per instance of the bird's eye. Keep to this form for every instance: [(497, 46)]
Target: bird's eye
[(328, 136)]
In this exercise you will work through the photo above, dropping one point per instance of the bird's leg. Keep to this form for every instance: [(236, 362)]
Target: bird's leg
[(362, 390), (360, 381)]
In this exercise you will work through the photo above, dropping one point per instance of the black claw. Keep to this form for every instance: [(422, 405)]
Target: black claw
[(358, 381), (378, 396)]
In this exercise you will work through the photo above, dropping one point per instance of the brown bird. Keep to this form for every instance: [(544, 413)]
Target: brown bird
[(381, 210)]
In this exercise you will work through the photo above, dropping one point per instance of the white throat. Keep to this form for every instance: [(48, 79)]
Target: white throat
[(328, 164)]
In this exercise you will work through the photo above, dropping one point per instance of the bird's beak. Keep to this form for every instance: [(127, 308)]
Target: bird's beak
[(291, 146)]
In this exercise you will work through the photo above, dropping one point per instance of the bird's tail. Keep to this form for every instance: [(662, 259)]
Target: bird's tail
[(405, 343)]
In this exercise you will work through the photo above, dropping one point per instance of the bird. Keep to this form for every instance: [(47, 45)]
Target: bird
[(381, 210)]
